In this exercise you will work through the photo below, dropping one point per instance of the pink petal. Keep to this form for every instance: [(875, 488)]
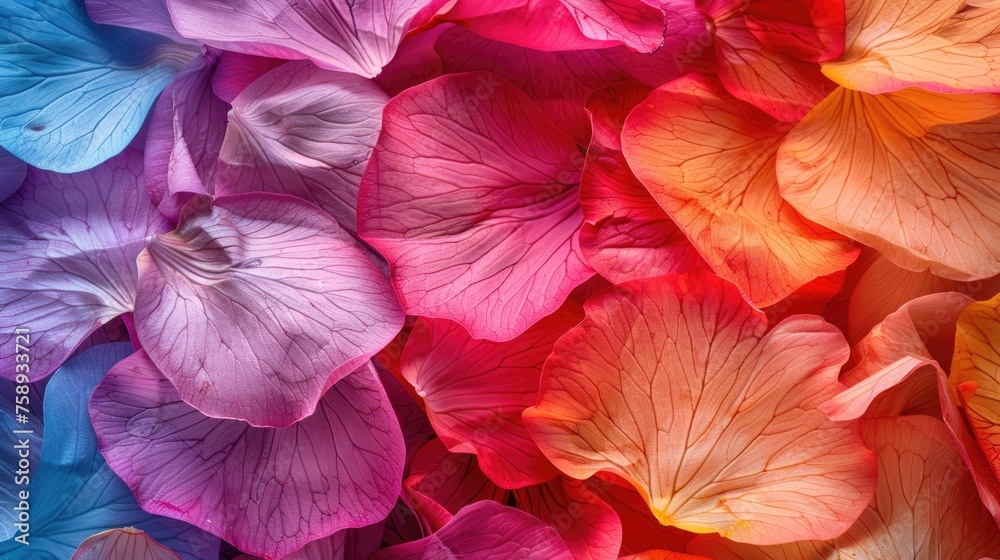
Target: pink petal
[(627, 235), (123, 544), (303, 131), (144, 15), (236, 71), (545, 25), (338, 468), (636, 23), (472, 196), (589, 526), (184, 137), (289, 295), (68, 264), (475, 391), (354, 37), (485, 531)]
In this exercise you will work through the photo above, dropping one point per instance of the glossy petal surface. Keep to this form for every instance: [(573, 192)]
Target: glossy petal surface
[(336, 469), (69, 260), (472, 196), (289, 295), (76, 93), (685, 354)]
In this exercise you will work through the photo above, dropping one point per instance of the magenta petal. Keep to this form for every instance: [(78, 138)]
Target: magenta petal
[(257, 303), (485, 531), (639, 24), (236, 71), (358, 37), (119, 544), (184, 136), (144, 15), (269, 491), (68, 263), (588, 525), (303, 131), (472, 195)]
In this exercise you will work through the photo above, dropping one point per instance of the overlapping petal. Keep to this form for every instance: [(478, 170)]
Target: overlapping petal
[(485, 531), (589, 527), (12, 174), (73, 493), (144, 15), (474, 391), (236, 71), (289, 295), (472, 195), (626, 234), (303, 131), (926, 505), (975, 374), (357, 37), (940, 45), (639, 24), (68, 264), (121, 544), (921, 186), (768, 51), (338, 468), (685, 354), (895, 367), (76, 93), (184, 137), (708, 160)]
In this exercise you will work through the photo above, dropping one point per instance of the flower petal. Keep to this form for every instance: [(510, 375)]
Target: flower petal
[(293, 299), (708, 160), (69, 261), (236, 71), (303, 131), (472, 196), (926, 505), (121, 544), (545, 25), (636, 23), (12, 174), (760, 463), (475, 391), (441, 483), (941, 45), (589, 526), (184, 137), (76, 93), (922, 184), (338, 468), (73, 492), (485, 531), (895, 365), (144, 15), (977, 365), (354, 37), (626, 234)]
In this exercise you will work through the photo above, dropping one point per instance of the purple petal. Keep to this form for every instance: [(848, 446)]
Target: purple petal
[(12, 174), (144, 15), (184, 137), (68, 264), (303, 131), (358, 37), (269, 491), (256, 303)]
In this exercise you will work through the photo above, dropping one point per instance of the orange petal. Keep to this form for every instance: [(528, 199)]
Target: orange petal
[(977, 367), (940, 45), (708, 159), (926, 505), (674, 384), (913, 174)]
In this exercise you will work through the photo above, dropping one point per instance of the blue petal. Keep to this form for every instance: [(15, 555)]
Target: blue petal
[(74, 493), (9, 459), (12, 174), (75, 93)]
